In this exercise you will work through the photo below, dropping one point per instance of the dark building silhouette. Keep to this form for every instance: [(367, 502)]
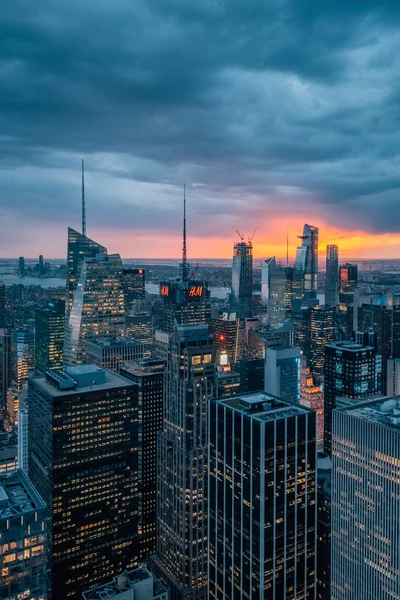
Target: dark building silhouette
[(133, 285), (82, 442), (324, 493), (242, 279), (332, 275), (49, 336)]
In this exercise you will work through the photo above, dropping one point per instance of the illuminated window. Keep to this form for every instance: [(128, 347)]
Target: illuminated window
[(196, 360)]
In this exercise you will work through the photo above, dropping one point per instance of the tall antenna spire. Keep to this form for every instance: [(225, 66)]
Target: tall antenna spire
[(83, 200), (287, 247), (184, 265)]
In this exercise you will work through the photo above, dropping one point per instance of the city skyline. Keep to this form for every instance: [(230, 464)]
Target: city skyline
[(269, 120)]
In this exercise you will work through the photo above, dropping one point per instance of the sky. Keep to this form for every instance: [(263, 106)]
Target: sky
[(274, 113)]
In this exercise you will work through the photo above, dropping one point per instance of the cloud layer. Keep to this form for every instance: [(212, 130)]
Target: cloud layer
[(274, 113)]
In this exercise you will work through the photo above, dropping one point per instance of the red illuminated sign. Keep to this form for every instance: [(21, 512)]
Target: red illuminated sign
[(196, 291), (164, 290)]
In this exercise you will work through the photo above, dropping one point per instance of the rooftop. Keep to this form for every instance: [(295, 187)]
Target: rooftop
[(147, 366), (349, 345), (385, 411), (88, 374), (263, 407), (108, 341), (126, 581), (17, 495)]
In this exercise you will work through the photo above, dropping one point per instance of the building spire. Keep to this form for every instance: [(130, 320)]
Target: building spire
[(83, 200), (184, 264)]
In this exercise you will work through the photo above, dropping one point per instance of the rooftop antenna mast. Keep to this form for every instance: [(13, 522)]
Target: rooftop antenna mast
[(184, 249), (83, 200)]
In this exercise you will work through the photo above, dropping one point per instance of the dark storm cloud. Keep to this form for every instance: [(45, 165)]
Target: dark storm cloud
[(285, 105)]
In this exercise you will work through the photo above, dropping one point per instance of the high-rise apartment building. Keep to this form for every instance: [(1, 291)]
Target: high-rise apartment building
[(306, 265), (22, 357), (98, 305), (351, 370), (262, 499), (225, 330), (49, 336), (348, 278), (2, 305), (82, 437), (322, 333), (112, 352), (282, 373), (332, 275), (149, 376), (182, 543), (366, 501), (23, 539), (133, 284), (242, 279)]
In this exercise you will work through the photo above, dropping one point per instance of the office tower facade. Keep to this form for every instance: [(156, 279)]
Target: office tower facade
[(282, 373), (23, 440), (79, 248), (266, 267), (393, 377), (2, 305), (366, 501), (262, 499), (184, 302), (306, 265), (352, 371), (133, 284), (49, 336), (149, 376), (82, 440), (280, 304), (139, 326), (225, 330), (348, 278), (21, 266), (228, 383), (242, 279), (23, 527), (138, 584), (302, 323), (13, 400), (324, 497), (322, 333), (332, 275), (98, 306), (312, 396), (182, 543), (252, 374), (22, 357), (112, 352), (5, 366)]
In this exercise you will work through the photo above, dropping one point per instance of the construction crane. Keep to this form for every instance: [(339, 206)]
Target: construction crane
[(240, 235), (254, 232)]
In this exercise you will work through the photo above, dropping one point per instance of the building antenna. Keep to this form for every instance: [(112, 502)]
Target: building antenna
[(184, 249), (83, 200), (287, 247)]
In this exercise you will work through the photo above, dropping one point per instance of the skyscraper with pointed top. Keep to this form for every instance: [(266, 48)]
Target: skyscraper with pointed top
[(186, 300)]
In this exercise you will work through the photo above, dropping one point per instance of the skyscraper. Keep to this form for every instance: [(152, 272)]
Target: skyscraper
[(332, 275), (348, 277), (366, 501), (139, 326), (277, 291), (324, 496), (312, 396), (186, 302), (82, 438), (5, 366), (393, 377), (351, 370), (182, 544), (262, 499), (79, 248), (282, 373), (133, 285), (242, 279), (23, 527), (2, 305), (225, 329), (98, 305), (149, 376), (21, 266), (112, 352), (22, 357), (306, 264), (322, 332), (49, 336)]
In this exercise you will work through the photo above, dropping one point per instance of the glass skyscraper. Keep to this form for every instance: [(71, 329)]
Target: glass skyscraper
[(277, 291), (366, 501), (262, 500), (322, 332), (22, 357), (242, 279), (332, 275), (282, 373), (182, 543), (306, 264)]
